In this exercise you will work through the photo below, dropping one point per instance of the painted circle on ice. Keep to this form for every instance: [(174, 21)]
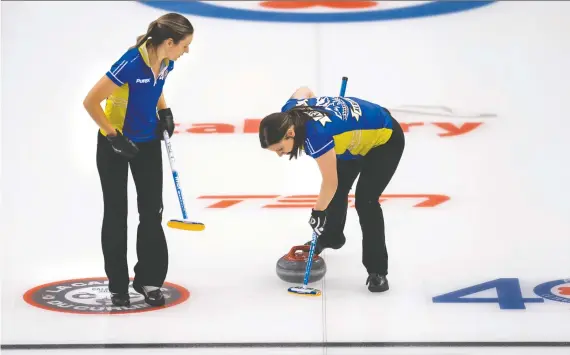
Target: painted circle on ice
[(316, 11), (91, 296), (557, 290)]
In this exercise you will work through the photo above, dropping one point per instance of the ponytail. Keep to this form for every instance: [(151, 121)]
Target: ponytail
[(142, 38), (298, 118)]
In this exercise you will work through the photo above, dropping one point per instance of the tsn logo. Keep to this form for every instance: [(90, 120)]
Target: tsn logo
[(308, 201)]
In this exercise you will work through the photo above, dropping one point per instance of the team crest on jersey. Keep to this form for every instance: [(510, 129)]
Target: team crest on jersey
[(355, 109), (315, 115), (334, 105), (319, 116), (304, 102)]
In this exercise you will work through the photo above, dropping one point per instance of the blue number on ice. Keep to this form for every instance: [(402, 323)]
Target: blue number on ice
[(509, 294)]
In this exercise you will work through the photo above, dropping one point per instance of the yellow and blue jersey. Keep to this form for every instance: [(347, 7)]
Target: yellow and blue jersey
[(132, 107), (352, 127)]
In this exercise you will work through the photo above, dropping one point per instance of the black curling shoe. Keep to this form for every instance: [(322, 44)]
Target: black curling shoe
[(377, 283), (121, 299), (154, 298)]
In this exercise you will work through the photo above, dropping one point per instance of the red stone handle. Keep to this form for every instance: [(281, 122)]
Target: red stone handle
[(292, 255)]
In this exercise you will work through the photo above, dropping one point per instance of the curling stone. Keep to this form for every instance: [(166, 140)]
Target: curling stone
[(291, 266)]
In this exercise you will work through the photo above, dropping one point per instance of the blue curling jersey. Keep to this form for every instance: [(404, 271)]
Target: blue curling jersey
[(131, 108), (352, 128)]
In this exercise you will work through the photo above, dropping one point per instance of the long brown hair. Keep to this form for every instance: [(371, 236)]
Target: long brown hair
[(273, 128), (171, 25)]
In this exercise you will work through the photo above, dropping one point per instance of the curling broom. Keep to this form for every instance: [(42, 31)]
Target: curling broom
[(304, 290), (184, 223)]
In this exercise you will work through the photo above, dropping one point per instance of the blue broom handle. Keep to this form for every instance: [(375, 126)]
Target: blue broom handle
[(175, 174)]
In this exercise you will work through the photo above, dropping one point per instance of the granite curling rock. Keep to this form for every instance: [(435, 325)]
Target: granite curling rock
[(291, 266)]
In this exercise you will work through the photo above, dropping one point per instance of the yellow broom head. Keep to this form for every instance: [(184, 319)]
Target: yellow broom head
[(186, 225)]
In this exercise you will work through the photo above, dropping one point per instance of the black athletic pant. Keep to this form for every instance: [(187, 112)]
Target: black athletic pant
[(375, 169), (152, 252)]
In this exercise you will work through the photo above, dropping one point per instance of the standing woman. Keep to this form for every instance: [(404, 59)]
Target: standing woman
[(131, 127), (347, 137)]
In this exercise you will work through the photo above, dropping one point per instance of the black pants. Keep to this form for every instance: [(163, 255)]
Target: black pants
[(376, 170), (152, 252)]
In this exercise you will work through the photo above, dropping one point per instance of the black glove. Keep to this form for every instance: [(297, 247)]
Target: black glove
[(122, 145), (318, 221), (165, 123)]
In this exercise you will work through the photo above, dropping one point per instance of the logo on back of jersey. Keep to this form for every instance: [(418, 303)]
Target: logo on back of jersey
[(355, 109), (334, 105), (318, 116)]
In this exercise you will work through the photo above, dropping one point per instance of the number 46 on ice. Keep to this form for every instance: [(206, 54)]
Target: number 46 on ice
[(509, 293)]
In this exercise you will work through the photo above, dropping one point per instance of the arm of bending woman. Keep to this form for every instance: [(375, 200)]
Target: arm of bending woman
[(303, 93), (329, 184)]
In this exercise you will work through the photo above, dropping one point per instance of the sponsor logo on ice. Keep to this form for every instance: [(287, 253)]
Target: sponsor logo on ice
[(317, 11), (91, 296)]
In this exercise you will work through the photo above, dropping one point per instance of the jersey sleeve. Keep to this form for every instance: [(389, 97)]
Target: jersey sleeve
[(317, 143), (121, 72)]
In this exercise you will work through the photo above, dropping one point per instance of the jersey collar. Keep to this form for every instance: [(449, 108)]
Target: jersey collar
[(144, 54)]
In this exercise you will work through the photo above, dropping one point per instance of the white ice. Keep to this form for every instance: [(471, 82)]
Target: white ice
[(507, 179)]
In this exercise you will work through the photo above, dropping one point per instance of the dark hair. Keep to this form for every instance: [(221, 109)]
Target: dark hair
[(171, 25), (273, 128)]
